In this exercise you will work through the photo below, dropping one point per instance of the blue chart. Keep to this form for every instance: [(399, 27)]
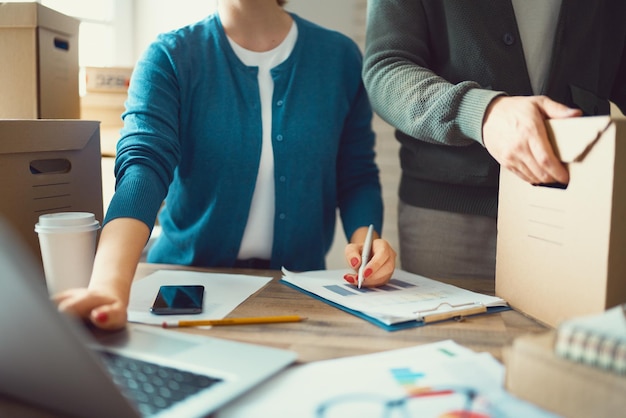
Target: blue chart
[(406, 377)]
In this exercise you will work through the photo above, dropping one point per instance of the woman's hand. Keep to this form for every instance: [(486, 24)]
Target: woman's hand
[(381, 265), (101, 309), (105, 301)]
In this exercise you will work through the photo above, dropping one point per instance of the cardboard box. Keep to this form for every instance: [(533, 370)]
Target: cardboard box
[(104, 107), (561, 252), (536, 374), (107, 79), (48, 166), (41, 46), (108, 181)]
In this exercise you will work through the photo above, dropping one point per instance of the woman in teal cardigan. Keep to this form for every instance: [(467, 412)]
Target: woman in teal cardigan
[(253, 127)]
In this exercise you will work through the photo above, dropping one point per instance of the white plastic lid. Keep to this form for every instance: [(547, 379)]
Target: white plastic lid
[(67, 222)]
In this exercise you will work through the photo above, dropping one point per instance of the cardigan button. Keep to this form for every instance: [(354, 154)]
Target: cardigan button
[(508, 39), (279, 137)]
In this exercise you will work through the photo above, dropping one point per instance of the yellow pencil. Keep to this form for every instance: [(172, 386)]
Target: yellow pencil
[(233, 321)]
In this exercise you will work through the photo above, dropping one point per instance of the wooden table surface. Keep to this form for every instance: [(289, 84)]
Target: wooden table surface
[(332, 333)]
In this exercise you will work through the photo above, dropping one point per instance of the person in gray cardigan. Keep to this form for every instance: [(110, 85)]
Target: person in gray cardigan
[(468, 85)]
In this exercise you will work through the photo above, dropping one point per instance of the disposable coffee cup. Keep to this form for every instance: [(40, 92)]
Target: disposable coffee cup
[(68, 246)]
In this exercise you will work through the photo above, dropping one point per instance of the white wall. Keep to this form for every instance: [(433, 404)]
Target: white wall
[(155, 16), (124, 54), (340, 15)]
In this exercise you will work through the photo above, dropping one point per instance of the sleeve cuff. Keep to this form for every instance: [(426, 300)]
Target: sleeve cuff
[(472, 112)]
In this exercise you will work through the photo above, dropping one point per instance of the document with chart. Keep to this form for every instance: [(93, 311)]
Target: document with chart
[(408, 300)]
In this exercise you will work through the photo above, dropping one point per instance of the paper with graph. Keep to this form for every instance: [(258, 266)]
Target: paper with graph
[(426, 381), (407, 296)]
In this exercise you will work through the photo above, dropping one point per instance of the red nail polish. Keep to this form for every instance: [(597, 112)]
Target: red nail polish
[(102, 317), (367, 272), (349, 279), (354, 261)]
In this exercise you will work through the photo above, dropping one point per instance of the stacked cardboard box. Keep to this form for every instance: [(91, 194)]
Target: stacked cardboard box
[(48, 166), (39, 74), (106, 90)]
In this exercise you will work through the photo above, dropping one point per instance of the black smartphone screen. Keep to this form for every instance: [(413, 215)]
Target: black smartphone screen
[(178, 299)]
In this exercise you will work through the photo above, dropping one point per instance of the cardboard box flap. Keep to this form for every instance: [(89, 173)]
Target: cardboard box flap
[(572, 138), (20, 136)]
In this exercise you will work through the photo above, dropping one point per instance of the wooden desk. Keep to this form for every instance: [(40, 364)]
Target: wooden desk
[(331, 333)]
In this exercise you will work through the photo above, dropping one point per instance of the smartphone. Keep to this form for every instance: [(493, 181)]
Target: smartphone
[(178, 300)]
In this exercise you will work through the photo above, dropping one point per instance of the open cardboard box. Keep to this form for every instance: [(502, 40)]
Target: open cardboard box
[(562, 252), (48, 166)]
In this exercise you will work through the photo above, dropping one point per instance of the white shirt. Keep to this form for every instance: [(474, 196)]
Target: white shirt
[(537, 21), (259, 233)]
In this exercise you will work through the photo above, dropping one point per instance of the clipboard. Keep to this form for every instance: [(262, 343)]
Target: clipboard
[(457, 311), (421, 318)]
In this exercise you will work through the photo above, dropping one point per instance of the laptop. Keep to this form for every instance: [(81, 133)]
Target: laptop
[(52, 360)]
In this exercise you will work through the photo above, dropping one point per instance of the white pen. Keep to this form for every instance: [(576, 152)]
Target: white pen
[(365, 256)]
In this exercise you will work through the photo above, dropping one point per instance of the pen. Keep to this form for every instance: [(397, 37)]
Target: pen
[(365, 256), (233, 321)]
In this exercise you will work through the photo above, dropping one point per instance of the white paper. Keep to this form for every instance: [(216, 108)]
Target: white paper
[(222, 293), (300, 390), (406, 297)]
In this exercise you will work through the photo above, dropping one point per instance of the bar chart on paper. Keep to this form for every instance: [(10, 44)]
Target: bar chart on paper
[(396, 291)]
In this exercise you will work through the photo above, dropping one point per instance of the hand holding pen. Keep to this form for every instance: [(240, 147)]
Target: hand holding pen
[(372, 257)]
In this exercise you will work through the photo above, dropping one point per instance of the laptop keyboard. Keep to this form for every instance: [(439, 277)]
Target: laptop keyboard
[(153, 387)]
